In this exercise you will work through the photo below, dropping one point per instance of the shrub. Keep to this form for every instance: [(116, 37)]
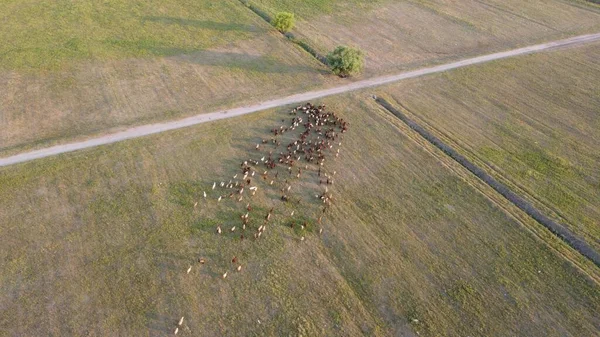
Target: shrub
[(345, 61), (284, 21)]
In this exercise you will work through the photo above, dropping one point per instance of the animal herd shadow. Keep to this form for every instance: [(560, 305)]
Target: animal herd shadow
[(302, 197), (269, 181)]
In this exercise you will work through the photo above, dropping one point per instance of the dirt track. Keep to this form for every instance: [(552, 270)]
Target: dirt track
[(149, 129)]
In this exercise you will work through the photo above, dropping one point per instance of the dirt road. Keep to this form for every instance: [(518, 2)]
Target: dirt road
[(149, 129)]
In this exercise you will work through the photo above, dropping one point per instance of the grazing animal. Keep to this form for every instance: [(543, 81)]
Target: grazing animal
[(201, 260), (219, 229), (214, 185), (234, 260), (220, 197), (239, 268), (233, 229), (189, 269), (176, 331), (204, 194), (225, 275), (180, 321)]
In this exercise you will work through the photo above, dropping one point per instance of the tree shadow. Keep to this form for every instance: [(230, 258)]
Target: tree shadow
[(230, 60), (222, 26), (258, 63)]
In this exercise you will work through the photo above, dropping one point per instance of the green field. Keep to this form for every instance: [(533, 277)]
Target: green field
[(74, 69), (98, 243), (533, 121), (49, 35), (397, 35)]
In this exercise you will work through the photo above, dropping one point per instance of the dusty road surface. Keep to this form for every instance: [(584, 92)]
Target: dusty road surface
[(149, 129)]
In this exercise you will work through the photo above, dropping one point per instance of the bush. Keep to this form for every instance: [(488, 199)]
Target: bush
[(345, 61), (284, 21)]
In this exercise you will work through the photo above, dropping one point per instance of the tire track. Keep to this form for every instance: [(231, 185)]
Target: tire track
[(559, 230)]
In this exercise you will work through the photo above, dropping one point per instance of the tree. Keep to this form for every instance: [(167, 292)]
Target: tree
[(345, 61), (284, 21)]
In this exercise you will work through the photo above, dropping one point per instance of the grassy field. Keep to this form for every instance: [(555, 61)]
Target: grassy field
[(70, 69), (98, 243), (533, 121), (398, 35)]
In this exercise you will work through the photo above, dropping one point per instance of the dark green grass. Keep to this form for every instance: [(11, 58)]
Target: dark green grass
[(50, 35)]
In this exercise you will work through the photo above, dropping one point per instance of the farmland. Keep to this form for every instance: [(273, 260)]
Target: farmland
[(397, 35), (545, 145), (97, 242), (144, 61), (167, 234)]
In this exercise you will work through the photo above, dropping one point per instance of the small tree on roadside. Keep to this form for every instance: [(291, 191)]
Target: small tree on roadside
[(284, 21), (345, 61)]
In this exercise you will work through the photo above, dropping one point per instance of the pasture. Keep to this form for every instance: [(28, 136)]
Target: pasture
[(399, 35), (98, 243), (74, 69), (532, 121), (109, 241)]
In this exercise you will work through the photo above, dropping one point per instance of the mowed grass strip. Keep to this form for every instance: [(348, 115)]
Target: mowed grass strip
[(532, 120), (98, 242), (397, 35)]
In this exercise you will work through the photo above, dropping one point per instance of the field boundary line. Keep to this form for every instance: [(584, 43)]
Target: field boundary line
[(149, 129), (560, 231), (290, 36)]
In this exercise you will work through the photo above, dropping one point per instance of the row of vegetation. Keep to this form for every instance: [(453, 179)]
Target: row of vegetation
[(344, 61)]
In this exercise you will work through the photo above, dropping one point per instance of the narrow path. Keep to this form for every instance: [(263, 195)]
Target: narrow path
[(149, 129), (559, 230)]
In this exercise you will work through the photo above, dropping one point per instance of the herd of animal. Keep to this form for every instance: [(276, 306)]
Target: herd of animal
[(295, 150)]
